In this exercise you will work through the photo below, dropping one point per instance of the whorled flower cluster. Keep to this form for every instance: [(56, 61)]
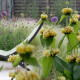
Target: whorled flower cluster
[(23, 49), (67, 30), (12, 58), (73, 21), (76, 16), (74, 57), (67, 11), (49, 53), (26, 75), (48, 33), (12, 74), (44, 16)]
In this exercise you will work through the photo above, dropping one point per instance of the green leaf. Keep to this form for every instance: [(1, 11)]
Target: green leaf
[(71, 66), (46, 65), (42, 41), (62, 17), (49, 41), (70, 49), (53, 43), (61, 65), (1, 68), (48, 23), (72, 40), (32, 61), (39, 22), (16, 62), (76, 28), (67, 74), (60, 43), (76, 72)]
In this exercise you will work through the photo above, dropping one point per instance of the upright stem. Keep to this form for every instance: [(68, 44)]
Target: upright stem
[(67, 21)]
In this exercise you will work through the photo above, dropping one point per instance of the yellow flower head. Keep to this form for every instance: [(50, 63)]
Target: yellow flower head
[(27, 76), (49, 33), (76, 16), (55, 51), (78, 60), (53, 33), (29, 48), (46, 33), (75, 55), (42, 30), (23, 49), (67, 11), (12, 74), (73, 21), (47, 53), (69, 58), (44, 16), (12, 58), (62, 78), (78, 38), (67, 30), (21, 76), (33, 76)]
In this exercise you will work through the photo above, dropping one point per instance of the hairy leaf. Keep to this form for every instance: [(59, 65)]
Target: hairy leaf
[(42, 41), (16, 62), (61, 65), (76, 28), (76, 72), (49, 41), (72, 40), (53, 43), (60, 43), (62, 17), (32, 61), (46, 65)]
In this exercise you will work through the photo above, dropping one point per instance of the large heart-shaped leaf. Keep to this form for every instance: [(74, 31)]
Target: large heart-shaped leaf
[(32, 61), (46, 65)]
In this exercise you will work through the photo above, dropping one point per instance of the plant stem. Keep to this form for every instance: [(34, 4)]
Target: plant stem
[(12, 78), (67, 21)]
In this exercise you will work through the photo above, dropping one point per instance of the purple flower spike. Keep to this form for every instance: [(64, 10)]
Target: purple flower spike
[(54, 19)]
